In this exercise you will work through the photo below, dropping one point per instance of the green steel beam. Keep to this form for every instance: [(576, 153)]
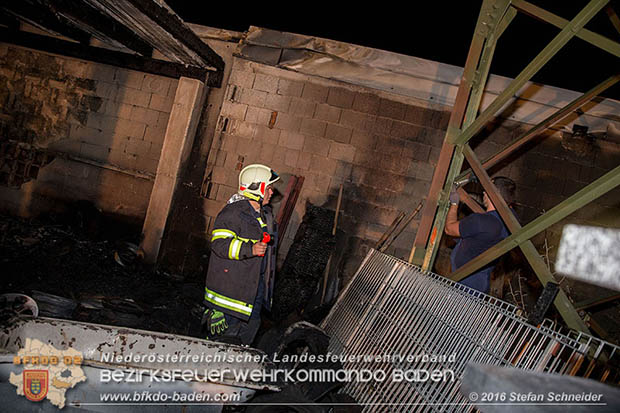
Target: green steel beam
[(499, 21), (485, 64), (535, 130), (486, 20), (593, 7), (591, 192), (595, 39), (562, 303), (442, 210)]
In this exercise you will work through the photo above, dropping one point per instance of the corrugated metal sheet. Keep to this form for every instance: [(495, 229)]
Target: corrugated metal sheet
[(411, 77)]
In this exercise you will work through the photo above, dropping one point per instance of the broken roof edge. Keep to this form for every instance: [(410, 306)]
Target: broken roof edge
[(412, 76), (212, 33)]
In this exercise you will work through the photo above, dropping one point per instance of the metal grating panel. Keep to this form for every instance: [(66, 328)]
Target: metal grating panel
[(391, 308)]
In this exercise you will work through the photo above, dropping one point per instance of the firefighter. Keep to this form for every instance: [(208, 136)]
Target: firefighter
[(241, 269)]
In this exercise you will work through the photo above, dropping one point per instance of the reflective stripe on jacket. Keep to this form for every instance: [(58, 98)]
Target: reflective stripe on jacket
[(234, 272)]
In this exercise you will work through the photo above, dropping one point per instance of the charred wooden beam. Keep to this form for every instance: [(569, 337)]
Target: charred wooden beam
[(100, 24), (43, 18), (8, 20), (100, 55), (176, 27)]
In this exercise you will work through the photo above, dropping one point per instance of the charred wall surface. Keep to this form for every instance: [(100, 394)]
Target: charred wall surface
[(381, 148), (104, 125)]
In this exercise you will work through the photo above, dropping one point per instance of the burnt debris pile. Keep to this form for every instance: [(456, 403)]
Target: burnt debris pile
[(76, 272), (305, 263)]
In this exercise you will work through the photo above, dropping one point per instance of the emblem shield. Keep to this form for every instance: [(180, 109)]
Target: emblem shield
[(36, 384)]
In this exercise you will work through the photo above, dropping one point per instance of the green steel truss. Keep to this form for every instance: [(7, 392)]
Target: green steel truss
[(465, 123)]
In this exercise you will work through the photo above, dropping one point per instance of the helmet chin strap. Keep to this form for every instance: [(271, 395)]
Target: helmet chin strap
[(253, 197)]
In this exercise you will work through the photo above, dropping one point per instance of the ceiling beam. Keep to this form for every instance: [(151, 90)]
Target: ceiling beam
[(99, 55), (102, 26), (173, 24), (43, 18)]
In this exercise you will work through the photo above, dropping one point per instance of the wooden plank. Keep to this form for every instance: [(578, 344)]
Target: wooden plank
[(562, 303), (288, 203), (447, 149), (401, 227), (389, 231), (469, 201)]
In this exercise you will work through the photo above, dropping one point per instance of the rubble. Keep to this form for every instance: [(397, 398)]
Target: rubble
[(70, 270)]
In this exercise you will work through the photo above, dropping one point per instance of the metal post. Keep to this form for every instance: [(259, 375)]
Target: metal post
[(487, 18), (390, 311), (499, 20)]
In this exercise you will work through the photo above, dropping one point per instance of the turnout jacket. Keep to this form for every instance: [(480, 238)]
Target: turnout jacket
[(234, 272)]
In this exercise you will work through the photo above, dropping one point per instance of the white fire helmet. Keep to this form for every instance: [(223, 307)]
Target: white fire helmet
[(253, 180)]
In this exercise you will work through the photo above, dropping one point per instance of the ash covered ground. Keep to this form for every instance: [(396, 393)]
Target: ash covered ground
[(68, 265)]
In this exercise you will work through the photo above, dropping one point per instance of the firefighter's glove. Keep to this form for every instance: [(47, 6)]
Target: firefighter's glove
[(454, 197), (216, 323)]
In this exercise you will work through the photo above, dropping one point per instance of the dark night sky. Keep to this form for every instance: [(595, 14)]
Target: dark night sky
[(437, 30)]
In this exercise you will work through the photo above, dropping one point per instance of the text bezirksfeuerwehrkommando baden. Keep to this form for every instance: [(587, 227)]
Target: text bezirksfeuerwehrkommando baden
[(246, 366)]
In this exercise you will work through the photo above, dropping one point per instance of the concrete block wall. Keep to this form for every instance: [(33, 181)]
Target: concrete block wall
[(382, 149), (97, 113)]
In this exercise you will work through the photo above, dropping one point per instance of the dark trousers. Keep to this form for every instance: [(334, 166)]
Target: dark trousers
[(245, 331)]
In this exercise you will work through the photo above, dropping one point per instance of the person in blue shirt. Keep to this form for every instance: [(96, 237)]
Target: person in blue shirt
[(478, 232)]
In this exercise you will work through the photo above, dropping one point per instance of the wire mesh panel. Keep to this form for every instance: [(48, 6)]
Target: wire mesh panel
[(419, 330)]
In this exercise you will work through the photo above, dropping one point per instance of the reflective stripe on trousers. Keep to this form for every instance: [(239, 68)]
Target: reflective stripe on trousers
[(228, 303)]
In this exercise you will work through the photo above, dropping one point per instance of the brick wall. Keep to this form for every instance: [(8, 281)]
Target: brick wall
[(382, 149), (97, 113)]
